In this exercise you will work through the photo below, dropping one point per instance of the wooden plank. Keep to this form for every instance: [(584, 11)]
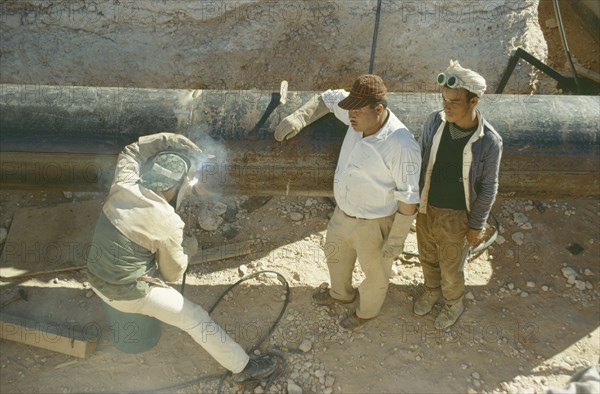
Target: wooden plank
[(52, 336), (48, 272), (49, 238)]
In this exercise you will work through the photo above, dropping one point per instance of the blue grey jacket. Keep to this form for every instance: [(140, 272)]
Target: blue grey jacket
[(481, 164)]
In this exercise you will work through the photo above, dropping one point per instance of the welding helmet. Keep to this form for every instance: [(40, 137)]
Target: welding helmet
[(165, 170)]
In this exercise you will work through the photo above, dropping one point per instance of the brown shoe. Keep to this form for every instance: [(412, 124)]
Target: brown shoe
[(449, 315), (322, 297), (352, 321), (426, 301)]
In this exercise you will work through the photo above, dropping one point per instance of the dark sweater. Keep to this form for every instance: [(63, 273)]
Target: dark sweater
[(447, 189)]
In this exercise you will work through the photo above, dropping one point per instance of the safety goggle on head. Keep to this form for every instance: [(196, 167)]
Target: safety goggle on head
[(451, 80)]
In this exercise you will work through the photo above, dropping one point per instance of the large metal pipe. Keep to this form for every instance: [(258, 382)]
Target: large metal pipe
[(68, 137)]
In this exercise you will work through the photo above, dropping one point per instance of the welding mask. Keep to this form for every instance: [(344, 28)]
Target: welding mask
[(168, 169)]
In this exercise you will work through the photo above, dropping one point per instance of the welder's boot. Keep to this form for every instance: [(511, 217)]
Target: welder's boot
[(256, 369)]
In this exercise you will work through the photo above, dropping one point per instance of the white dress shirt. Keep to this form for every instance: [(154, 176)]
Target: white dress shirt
[(375, 172)]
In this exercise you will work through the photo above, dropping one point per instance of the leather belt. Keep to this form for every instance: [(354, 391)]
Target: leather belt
[(356, 217)]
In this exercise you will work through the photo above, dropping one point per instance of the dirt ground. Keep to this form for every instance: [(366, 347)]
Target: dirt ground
[(580, 41), (526, 327), (532, 311), (584, 48)]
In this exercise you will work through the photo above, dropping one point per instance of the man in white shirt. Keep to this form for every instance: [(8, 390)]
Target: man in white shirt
[(376, 188)]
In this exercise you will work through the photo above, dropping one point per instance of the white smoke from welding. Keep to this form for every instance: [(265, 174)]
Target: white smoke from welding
[(210, 163)]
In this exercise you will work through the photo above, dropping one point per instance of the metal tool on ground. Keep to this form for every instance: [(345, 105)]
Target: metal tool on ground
[(276, 99), (286, 349), (22, 294)]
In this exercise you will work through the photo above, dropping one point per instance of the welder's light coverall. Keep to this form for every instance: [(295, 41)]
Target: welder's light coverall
[(139, 235)]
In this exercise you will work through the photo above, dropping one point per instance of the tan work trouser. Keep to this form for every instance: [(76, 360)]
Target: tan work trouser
[(441, 238), (350, 238)]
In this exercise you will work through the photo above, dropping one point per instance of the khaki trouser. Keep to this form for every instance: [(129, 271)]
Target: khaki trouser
[(441, 238), (168, 305), (351, 238)]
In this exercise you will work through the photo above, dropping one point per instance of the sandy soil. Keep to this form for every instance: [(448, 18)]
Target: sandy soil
[(529, 322), (581, 43), (584, 49), (525, 327)]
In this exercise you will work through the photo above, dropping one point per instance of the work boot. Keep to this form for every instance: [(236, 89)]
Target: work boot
[(426, 301), (256, 369), (322, 297), (351, 322), (449, 315)]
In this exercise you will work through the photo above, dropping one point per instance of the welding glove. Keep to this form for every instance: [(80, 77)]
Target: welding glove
[(190, 245), (394, 244), (310, 112)]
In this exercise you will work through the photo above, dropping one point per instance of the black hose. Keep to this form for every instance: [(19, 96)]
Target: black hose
[(283, 308)]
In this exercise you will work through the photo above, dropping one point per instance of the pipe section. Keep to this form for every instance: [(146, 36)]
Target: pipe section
[(67, 137)]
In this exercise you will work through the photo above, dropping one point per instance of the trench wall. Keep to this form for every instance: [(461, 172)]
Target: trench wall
[(245, 44)]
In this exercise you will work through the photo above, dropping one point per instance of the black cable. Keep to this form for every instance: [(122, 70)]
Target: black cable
[(375, 33), (183, 280), (283, 308)]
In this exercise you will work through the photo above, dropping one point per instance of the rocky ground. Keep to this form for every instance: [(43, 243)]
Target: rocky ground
[(531, 319)]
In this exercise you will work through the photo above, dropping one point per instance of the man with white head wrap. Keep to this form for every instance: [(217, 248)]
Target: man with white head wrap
[(461, 155), (457, 77)]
